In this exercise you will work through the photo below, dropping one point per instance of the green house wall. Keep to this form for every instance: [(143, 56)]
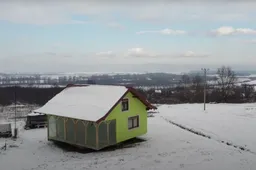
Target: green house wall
[(136, 107)]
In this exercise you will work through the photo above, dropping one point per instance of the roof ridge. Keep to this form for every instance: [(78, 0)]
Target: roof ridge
[(85, 85)]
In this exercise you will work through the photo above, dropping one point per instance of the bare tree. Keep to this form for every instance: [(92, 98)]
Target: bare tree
[(185, 80), (226, 81), (197, 82), (248, 91)]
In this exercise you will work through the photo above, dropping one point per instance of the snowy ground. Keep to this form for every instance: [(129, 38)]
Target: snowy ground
[(166, 147), (232, 123)]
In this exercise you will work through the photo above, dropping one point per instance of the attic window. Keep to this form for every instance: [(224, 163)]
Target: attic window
[(125, 104)]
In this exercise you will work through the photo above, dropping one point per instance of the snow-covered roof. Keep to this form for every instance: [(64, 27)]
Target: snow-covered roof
[(90, 102)]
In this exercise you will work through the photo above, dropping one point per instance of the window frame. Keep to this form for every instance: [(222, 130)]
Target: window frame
[(125, 100), (133, 118)]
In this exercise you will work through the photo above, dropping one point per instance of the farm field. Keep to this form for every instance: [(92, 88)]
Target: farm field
[(179, 137), (231, 123)]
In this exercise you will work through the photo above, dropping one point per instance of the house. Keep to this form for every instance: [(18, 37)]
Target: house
[(96, 116)]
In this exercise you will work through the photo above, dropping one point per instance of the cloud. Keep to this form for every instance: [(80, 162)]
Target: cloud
[(191, 54), (196, 11), (164, 32), (142, 53), (64, 12), (228, 30), (42, 13), (139, 52)]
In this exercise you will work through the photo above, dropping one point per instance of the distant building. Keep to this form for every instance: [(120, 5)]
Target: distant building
[(96, 116)]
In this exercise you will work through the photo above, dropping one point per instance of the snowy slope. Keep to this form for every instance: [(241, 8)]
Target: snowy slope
[(166, 147), (233, 123)]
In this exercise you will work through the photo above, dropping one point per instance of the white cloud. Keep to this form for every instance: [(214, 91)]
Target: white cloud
[(139, 52), (228, 30), (192, 54), (142, 53), (196, 11), (62, 12), (43, 13), (164, 32)]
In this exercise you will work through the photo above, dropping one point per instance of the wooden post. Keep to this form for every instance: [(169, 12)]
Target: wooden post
[(97, 134), (57, 131), (108, 122), (85, 127), (48, 116), (65, 128), (75, 128)]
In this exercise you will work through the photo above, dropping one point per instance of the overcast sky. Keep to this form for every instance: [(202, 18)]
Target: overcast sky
[(105, 35)]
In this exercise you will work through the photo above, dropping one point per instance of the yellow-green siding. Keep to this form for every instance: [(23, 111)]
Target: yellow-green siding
[(136, 107)]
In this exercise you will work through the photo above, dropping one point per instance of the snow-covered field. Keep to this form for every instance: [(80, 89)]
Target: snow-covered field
[(167, 146), (232, 123)]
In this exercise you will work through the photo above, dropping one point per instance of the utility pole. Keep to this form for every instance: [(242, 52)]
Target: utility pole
[(205, 83), (15, 113)]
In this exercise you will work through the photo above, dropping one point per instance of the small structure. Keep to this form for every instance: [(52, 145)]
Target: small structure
[(5, 130), (36, 120), (96, 116)]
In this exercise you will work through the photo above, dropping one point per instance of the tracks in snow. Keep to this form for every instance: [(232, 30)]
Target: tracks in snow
[(242, 148)]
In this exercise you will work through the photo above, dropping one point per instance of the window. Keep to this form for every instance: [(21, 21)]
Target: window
[(133, 122), (125, 105)]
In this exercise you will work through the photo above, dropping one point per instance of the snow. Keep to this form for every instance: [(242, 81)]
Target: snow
[(34, 114), (243, 79), (85, 102), (166, 146), (233, 123), (251, 82), (239, 81), (158, 91)]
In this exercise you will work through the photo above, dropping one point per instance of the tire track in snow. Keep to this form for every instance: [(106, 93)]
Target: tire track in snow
[(242, 148)]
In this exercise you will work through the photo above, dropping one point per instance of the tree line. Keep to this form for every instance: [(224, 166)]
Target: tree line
[(27, 95), (191, 90)]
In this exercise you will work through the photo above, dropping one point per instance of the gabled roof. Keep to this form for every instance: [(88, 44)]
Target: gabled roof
[(88, 102)]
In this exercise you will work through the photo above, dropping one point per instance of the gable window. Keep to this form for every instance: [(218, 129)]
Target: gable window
[(133, 122), (125, 104)]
